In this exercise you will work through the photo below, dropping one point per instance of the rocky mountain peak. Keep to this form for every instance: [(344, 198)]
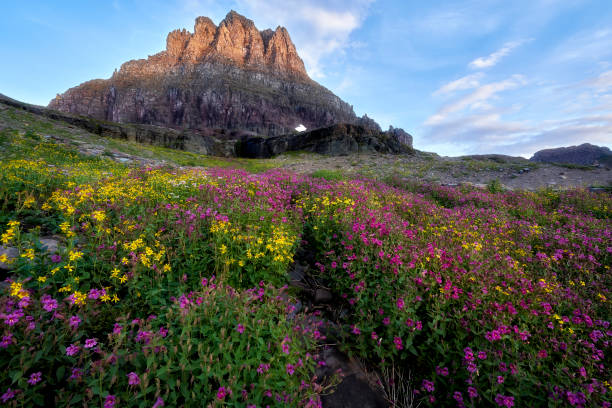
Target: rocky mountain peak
[(236, 40), (229, 76)]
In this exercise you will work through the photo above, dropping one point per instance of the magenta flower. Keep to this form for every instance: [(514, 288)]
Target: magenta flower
[(77, 373), (500, 379), (6, 340), (24, 302), (240, 328), (35, 378), (398, 343), (443, 371), (8, 395), (90, 343), (48, 303), (117, 328), (482, 355), (158, 403), (12, 319), (428, 386), (285, 348), (400, 303), (458, 397), (72, 349), (110, 401), (133, 378), (290, 369), (504, 401), (221, 393), (74, 322), (472, 392)]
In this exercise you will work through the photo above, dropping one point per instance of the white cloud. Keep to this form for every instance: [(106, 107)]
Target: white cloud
[(476, 99), (474, 124), (463, 83), (319, 28), (493, 59), (601, 83)]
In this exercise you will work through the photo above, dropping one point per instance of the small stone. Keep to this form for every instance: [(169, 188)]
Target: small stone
[(323, 296)]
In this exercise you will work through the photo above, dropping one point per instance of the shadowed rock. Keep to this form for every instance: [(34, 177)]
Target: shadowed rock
[(336, 140)]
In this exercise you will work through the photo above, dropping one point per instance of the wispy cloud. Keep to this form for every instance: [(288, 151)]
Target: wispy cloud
[(587, 45), (494, 58), (601, 83), (477, 122), (476, 99), (461, 84)]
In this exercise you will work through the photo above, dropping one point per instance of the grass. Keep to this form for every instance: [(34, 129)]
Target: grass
[(330, 175)]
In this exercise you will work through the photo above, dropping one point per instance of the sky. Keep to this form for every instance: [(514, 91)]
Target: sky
[(463, 77)]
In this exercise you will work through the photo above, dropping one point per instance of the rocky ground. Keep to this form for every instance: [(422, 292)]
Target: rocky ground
[(511, 172)]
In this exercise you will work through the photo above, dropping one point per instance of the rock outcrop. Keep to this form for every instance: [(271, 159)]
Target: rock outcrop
[(214, 142), (586, 155), (336, 140), (230, 76)]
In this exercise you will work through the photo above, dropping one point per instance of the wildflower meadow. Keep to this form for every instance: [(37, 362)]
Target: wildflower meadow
[(169, 286)]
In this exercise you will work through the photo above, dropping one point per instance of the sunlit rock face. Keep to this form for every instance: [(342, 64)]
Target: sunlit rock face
[(230, 76)]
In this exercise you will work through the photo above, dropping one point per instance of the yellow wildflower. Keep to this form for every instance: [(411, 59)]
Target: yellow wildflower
[(79, 298), (29, 253), (75, 255)]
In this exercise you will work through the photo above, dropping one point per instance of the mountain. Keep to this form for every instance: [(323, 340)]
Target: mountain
[(230, 76), (586, 154)]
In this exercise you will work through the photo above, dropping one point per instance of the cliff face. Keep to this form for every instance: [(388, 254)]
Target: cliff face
[(230, 76)]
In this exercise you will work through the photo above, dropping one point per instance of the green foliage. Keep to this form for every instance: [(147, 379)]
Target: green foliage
[(330, 175)]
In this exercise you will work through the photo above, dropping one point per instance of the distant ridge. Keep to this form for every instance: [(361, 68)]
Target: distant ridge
[(586, 154)]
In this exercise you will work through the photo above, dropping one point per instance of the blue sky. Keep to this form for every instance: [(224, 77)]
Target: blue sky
[(464, 77)]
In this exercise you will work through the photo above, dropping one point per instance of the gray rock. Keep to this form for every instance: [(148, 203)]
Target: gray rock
[(336, 140), (323, 296), (50, 245), (586, 154), (403, 136), (354, 390), (11, 253)]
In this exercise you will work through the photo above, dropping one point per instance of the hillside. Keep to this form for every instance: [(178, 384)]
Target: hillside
[(134, 283), (154, 145)]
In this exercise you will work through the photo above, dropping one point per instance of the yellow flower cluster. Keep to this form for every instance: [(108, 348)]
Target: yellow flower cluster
[(17, 290), (13, 228)]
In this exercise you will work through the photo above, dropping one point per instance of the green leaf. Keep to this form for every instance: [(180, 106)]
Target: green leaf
[(59, 374)]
